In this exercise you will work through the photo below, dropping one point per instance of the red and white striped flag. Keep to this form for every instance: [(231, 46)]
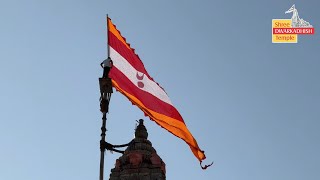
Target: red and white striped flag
[(130, 77)]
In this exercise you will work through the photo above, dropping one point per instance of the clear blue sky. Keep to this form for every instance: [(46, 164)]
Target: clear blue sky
[(253, 106)]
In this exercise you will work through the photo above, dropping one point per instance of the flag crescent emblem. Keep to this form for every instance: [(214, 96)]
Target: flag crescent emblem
[(140, 84), (140, 77)]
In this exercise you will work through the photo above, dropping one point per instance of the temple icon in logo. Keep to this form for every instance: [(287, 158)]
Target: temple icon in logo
[(296, 21)]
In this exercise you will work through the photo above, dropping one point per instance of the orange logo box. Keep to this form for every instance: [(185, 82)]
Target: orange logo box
[(283, 38)]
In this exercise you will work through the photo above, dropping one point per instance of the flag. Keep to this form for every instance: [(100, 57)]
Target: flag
[(130, 78)]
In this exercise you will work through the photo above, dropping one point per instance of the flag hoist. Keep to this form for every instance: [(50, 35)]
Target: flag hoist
[(129, 76)]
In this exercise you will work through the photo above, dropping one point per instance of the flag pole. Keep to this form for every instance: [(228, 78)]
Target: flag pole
[(102, 150), (108, 36), (106, 91)]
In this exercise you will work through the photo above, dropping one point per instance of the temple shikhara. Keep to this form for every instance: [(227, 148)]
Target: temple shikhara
[(140, 160)]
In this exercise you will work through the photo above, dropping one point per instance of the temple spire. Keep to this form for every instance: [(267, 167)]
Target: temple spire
[(140, 160)]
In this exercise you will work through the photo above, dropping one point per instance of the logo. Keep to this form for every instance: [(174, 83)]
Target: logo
[(287, 30)]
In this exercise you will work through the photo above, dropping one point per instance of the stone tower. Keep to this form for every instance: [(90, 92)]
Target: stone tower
[(140, 160)]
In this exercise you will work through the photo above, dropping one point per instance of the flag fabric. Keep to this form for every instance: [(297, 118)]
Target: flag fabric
[(130, 78)]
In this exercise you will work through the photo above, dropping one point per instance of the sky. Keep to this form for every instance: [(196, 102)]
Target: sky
[(253, 106)]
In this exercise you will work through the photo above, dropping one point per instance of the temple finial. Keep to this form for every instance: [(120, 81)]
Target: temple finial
[(141, 130)]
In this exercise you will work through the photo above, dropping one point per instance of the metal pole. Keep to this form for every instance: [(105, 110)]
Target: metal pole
[(108, 35), (106, 91), (103, 138)]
